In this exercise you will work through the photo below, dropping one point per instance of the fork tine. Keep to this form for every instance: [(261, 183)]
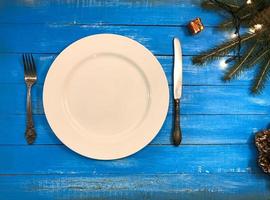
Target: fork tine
[(27, 71), (30, 65), (24, 63), (33, 64)]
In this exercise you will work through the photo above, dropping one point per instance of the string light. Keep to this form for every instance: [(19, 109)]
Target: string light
[(252, 30), (258, 26), (222, 64), (233, 35), (255, 28)]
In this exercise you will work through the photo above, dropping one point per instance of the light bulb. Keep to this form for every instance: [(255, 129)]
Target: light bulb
[(252, 30), (222, 64), (255, 28), (233, 35), (258, 26), (249, 2)]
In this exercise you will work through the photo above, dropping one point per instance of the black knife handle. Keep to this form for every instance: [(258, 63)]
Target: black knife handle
[(177, 134)]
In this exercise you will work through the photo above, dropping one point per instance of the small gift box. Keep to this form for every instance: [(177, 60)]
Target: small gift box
[(195, 26)]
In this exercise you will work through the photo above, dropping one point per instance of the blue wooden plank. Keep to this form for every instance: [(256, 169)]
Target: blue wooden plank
[(195, 100), (196, 129), (159, 171), (162, 12), (11, 70), (160, 159), (239, 186), (53, 38)]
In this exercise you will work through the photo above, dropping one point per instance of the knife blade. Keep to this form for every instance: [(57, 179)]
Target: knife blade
[(177, 72), (177, 90)]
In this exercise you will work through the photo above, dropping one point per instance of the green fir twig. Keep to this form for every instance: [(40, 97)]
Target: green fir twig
[(220, 50), (255, 46), (238, 67), (261, 77)]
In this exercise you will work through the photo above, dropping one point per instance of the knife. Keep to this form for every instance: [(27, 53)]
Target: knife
[(177, 90)]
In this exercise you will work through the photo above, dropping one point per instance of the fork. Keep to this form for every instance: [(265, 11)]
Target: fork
[(30, 77)]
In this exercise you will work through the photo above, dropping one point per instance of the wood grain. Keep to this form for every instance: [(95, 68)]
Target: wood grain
[(53, 38), (153, 12), (195, 100), (159, 187), (217, 159), (196, 129), (58, 159), (193, 75)]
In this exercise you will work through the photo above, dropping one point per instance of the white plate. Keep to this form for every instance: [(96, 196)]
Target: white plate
[(106, 96)]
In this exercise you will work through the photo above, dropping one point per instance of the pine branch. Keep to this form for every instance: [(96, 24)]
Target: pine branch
[(262, 17), (229, 24), (256, 46), (221, 49), (248, 15), (256, 58), (226, 25), (261, 77), (238, 67), (209, 5)]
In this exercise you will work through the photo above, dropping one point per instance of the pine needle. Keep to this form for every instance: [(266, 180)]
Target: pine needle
[(256, 46), (261, 77), (221, 49), (238, 67), (229, 24), (209, 5), (213, 6), (257, 58)]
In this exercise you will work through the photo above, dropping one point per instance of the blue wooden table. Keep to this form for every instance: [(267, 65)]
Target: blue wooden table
[(218, 158)]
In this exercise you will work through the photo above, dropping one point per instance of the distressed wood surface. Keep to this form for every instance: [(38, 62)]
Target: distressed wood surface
[(218, 157), (53, 38), (151, 160), (113, 12), (206, 75), (242, 186), (196, 100), (197, 129)]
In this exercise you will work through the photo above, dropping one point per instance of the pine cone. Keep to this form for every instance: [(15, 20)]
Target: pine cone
[(262, 141)]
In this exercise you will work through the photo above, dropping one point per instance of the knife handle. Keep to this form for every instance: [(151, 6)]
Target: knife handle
[(177, 134)]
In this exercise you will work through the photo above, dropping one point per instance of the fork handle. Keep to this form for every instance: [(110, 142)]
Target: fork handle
[(177, 134), (30, 133)]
